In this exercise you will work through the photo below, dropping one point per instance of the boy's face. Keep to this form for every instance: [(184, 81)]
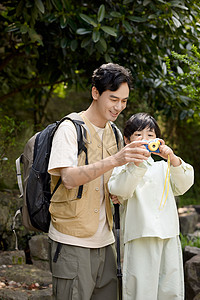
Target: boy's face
[(110, 103), (145, 134)]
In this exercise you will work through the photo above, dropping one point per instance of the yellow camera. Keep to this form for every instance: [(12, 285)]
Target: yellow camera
[(153, 145)]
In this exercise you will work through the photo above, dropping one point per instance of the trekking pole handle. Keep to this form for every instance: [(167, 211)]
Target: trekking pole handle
[(117, 218)]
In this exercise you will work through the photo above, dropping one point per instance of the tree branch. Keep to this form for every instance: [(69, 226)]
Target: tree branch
[(31, 84)]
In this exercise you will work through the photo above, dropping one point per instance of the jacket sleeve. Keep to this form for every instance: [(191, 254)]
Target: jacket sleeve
[(182, 178), (124, 180)]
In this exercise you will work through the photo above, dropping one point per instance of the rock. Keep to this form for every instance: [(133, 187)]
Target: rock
[(193, 236), (192, 271), (188, 218), (12, 257), (197, 226), (197, 208), (189, 252), (38, 245), (197, 297)]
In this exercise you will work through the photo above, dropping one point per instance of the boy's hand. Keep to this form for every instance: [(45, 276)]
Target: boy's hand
[(114, 199), (166, 151)]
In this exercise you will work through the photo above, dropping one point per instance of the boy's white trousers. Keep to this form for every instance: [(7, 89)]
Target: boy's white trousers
[(153, 269)]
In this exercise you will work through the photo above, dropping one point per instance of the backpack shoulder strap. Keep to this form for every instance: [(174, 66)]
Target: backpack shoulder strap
[(118, 135)]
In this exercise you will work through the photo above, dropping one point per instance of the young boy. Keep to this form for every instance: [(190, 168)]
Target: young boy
[(153, 267)]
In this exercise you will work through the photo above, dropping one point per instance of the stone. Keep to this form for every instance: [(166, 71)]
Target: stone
[(197, 226), (16, 257), (197, 208), (189, 252), (197, 297), (38, 245), (188, 218), (192, 271)]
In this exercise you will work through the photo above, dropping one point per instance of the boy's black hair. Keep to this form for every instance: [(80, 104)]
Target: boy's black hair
[(139, 122), (110, 76)]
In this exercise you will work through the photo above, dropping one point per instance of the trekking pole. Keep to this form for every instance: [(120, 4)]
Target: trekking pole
[(119, 271)]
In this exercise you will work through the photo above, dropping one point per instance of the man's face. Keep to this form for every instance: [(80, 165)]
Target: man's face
[(110, 103)]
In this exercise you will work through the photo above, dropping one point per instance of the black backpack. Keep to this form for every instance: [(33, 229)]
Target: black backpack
[(35, 188)]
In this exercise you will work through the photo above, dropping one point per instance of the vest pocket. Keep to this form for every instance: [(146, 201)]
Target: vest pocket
[(65, 195), (112, 150), (65, 204)]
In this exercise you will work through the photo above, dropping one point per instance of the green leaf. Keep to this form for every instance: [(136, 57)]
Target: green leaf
[(72, 24), (183, 114), (115, 14), (95, 36), (137, 19), (82, 31), (74, 45), (40, 6), (88, 20), (164, 68), (146, 2), (63, 43), (127, 1), (127, 26), (182, 7), (63, 22), (177, 23), (109, 30), (102, 43), (107, 58), (152, 16), (52, 18), (157, 82), (57, 4), (176, 3), (179, 70), (85, 42), (65, 3), (101, 13)]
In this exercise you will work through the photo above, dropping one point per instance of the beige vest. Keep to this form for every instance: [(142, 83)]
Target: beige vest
[(80, 217)]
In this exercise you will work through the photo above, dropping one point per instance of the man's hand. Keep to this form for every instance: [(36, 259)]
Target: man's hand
[(134, 152)]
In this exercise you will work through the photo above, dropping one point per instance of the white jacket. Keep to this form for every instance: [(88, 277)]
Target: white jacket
[(142, 187)]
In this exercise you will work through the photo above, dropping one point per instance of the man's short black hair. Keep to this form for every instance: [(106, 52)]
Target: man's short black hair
[(139, 122), (110, 76)]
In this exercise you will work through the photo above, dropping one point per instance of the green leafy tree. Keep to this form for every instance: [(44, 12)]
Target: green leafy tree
[(48, 42), (184, 130)]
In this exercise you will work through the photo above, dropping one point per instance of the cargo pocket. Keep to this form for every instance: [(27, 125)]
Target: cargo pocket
[(65, 279)]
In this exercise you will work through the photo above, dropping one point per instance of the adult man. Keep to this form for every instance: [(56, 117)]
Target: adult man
[(85, 268)]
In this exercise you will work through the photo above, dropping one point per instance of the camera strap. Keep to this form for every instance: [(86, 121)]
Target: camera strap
[(167, 179)]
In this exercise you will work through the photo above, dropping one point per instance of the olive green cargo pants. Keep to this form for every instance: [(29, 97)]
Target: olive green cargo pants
[(82, 273)]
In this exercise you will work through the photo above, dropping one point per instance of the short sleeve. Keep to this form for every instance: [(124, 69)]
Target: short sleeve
[(64, 149)]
